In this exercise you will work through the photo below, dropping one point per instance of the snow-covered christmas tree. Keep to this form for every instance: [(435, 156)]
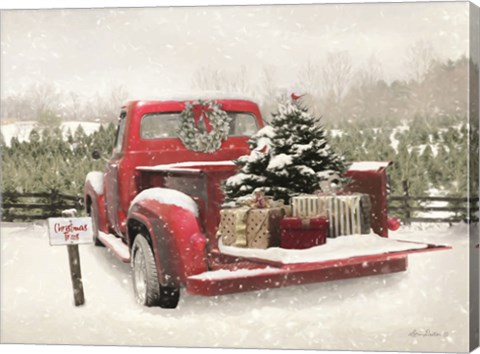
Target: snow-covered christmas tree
[(290, 157)]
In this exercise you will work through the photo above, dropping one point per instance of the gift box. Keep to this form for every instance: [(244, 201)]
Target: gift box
[(347, 214), (250, 227), (301, 233)]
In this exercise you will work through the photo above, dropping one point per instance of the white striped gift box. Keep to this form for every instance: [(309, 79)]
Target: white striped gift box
[(347, 214)]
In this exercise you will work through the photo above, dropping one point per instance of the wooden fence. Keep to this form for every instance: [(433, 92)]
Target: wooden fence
[(460, 209), (32, 206), (465, 213)]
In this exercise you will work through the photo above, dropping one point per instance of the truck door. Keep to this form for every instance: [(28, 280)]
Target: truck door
[(112, 196)]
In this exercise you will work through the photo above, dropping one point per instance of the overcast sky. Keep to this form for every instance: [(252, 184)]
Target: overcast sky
[(155, 50)]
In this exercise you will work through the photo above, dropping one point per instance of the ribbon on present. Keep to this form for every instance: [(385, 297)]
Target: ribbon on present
[(240, 226), (200, 115)]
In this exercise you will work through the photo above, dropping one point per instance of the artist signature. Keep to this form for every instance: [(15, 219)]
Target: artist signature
[(427, 333)]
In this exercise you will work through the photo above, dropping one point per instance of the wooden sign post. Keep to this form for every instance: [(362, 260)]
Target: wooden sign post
[(76, 274), (71, 231)]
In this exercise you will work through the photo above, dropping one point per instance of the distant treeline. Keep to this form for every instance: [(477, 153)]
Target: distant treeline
[(424, 154)]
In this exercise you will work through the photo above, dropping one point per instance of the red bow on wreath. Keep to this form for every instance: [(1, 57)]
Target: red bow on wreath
[(200, 115)]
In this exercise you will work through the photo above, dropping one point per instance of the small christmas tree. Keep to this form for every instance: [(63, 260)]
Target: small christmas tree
[(251, 176), (290, 157)]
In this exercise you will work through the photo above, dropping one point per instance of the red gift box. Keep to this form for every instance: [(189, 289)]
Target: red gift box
[(301, 233)]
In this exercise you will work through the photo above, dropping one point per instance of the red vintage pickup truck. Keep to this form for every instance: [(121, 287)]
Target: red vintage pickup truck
[(157, 205)]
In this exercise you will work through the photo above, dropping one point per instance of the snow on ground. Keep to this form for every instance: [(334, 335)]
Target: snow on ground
[(21, 130), (371, 313)]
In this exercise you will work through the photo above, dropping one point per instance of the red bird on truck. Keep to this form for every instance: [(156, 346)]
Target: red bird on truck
[(157, 205)]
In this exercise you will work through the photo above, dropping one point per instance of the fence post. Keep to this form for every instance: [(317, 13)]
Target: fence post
[(406, 204)]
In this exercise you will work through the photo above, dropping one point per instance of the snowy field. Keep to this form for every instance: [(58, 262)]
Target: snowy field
[(373, 313)]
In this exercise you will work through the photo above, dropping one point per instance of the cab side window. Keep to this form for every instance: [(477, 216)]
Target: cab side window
[(120, 133)]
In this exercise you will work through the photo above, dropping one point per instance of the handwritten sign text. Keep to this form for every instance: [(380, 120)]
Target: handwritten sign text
[(70, 231)]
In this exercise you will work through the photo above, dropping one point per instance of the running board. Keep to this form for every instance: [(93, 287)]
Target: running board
[(116, 245)]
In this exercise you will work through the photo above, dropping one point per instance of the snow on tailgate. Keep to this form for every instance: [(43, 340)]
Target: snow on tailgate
[(185, 165), (335, 249), (225, 274), (368, 165)]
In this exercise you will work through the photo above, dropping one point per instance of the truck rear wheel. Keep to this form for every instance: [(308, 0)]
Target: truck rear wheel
[(148, 291)]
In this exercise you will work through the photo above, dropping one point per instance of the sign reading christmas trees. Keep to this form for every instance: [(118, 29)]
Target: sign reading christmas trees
[(70, 231)]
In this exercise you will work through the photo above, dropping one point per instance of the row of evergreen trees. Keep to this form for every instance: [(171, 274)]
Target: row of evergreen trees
[(425, 155), (53, 160)]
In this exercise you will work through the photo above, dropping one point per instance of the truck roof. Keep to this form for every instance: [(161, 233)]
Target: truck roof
[(192, 96)]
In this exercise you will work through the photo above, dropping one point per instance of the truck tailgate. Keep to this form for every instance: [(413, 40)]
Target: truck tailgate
[(277, 269)]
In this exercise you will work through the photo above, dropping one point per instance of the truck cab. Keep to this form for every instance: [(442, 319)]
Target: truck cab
[(147, 136)]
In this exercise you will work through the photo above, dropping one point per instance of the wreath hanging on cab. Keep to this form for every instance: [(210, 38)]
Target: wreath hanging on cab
[(203, 126)]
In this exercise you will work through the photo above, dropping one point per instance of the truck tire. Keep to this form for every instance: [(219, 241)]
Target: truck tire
[(148, 291), (94, 216)]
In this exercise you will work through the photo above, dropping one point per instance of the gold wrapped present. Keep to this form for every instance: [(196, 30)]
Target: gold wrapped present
[(251, 227)]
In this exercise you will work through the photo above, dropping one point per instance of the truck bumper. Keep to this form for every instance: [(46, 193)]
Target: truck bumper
[(265, 278)]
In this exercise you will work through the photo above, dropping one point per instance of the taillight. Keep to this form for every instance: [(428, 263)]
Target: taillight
[(393, 223), (198, 241)]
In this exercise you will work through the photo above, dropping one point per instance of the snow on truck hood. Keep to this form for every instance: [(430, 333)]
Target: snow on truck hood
[(167, 196), (338, 248)]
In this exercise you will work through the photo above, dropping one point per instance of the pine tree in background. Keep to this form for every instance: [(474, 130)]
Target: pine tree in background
[(298, 159)]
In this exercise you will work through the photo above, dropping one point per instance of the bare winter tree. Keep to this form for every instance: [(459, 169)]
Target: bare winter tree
[(310, 78), (44, 97), (337, 74), (368, 96), (106, 108), (420, 59), (207, 78), (370, 73), (16, 107), (74, 108), (268, 91)]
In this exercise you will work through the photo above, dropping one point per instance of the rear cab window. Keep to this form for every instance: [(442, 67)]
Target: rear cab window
[(165, 125)]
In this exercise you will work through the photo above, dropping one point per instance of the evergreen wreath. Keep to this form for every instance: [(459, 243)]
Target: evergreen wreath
[(203, 126)]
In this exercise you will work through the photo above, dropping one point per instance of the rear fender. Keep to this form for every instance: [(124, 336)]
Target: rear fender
[(172, 231)]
